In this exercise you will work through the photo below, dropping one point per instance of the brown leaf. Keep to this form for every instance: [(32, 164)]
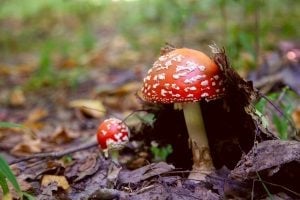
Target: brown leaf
[(89, 167), (34, 118), (127, 88), (267, 155), (113, 174), (17, 98), (37, 114), (63, 135), (27, 146), (296, 117), (60, 180), (25, 186), (47, 192), (88, 107), (144, 173)]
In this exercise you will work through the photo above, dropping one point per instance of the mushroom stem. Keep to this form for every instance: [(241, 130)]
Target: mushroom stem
[(202, 160), (114, 154)]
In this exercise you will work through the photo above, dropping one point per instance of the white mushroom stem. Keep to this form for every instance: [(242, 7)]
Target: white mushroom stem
[(202, 160), (114, 154)]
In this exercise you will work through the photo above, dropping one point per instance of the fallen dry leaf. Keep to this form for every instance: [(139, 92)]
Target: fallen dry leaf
[(35, 116), (27, 146), (296, 117), (63, 135), (47, 192), (90, 166), (17, 98), (8, 196), (126, 88), (60, 180), (88, 107), (143, 173), (113, 174), (25, 186)]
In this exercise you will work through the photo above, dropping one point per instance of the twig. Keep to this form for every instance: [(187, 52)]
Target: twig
[(87, 145), (264, 186), (282, 114), (252, 190), (280, 186), (271, 79)]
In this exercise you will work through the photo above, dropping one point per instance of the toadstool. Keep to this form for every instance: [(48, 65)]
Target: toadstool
[(184, 77), (112, 135)]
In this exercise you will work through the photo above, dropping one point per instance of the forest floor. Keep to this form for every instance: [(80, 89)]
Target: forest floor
[(53, 99)]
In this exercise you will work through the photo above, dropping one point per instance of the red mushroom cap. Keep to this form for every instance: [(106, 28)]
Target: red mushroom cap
[(183, 75), (112, 134)]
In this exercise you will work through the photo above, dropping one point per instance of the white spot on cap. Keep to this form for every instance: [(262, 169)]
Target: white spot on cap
[(125, 138), (161, 76), (216, 77), (168, 63), (118, 136), (213, 83), (150, 71), (193, 88), (194, 78), (104, 132), (204, 83), (155, 85), (190, 95), (176, 87), (176, 76), (163, 92), (162, 58), (204, 95), (178, 58), (148, 78), (191, 64), (167, 85), (201, 67), (176, 95)]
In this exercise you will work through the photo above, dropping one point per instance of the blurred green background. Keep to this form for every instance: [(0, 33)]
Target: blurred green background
[(56, 42)]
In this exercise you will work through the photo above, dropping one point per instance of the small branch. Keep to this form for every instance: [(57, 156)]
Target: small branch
[(268, 80), (87, 145)]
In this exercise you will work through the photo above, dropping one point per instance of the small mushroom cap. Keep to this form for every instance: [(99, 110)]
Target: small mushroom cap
[(112, 134), (183, 75)]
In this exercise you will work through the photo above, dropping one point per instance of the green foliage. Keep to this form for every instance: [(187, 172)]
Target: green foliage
[(67, 159), (5, 172), (7, 175), (48, 76), (10, 125), (147, 119), (147, 24), (74, 28), (286, 102), (161, 153), (3, 184)]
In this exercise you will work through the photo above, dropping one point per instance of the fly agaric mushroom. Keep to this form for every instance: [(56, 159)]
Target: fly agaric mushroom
[(112, 135), (185, 76)]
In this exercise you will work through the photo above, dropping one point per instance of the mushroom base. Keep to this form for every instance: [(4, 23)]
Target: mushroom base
[(203, 164)]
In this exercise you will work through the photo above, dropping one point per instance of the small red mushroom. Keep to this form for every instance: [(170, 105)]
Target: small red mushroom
[(112, 134), (186, 76)]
